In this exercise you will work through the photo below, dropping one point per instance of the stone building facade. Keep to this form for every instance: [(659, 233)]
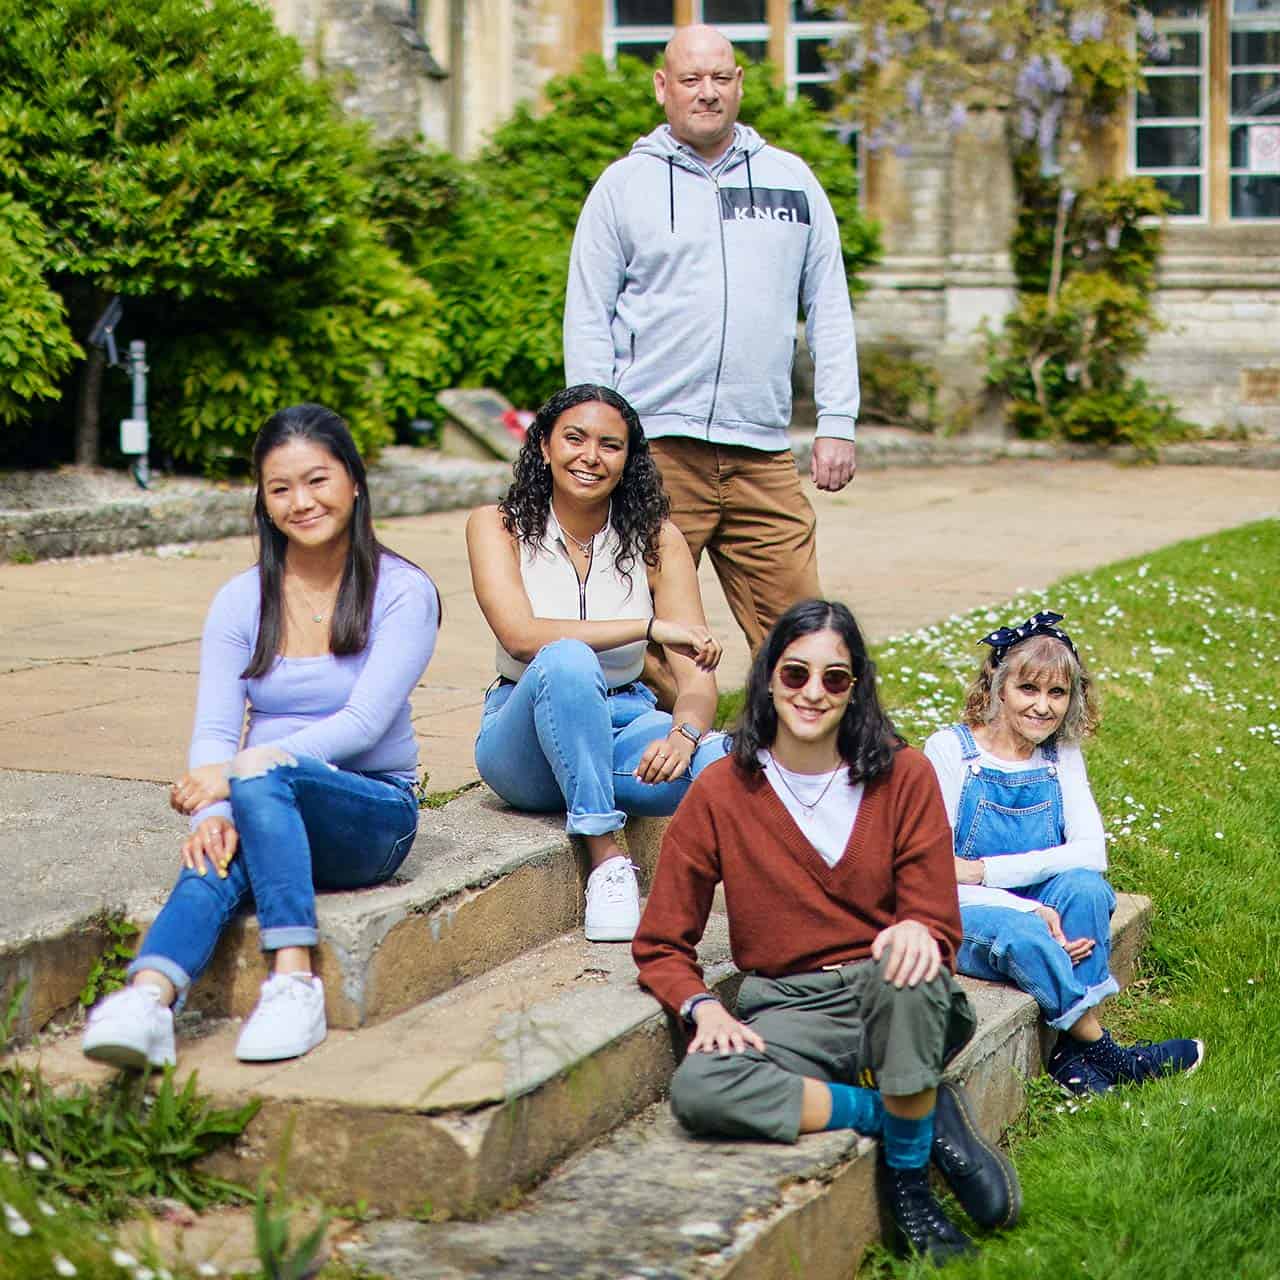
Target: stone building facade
[(1207, 129)]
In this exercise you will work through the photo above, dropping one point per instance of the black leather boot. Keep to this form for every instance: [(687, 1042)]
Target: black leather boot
[(977, 1171), (922, 1226)]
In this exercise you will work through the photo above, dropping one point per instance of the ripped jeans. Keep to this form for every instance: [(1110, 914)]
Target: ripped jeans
[(303, 826)]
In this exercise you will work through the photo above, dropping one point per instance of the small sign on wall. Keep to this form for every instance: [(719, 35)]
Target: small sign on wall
[(1264, 148), (1260, 385)]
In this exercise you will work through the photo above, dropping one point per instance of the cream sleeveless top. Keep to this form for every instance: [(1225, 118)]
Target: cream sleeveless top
[(555, 591)]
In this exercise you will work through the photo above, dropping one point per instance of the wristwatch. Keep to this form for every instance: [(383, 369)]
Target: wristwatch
[(692, 732)]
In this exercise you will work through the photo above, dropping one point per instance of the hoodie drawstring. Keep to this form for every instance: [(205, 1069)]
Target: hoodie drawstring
[(671, 190), (751, 191)]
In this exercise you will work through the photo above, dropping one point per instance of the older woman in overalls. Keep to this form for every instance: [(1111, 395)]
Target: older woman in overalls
[(1030, 853)]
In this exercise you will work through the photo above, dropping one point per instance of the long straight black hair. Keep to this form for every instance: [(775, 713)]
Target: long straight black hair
[(353, 610), (865, 739)]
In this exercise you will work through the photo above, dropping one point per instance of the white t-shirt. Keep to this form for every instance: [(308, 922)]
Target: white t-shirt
[(1085, 843), (829, 823)]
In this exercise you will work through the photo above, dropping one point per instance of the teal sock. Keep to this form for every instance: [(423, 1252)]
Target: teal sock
[(856, 1108), (907, 1142)]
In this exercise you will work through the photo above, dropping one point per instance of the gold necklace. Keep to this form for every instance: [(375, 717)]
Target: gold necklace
[(587, 547)]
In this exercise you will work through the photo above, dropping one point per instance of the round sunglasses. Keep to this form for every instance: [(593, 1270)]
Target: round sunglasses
[(835, 680)]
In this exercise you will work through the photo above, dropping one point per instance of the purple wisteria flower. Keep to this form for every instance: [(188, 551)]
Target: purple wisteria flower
[(959, 117)]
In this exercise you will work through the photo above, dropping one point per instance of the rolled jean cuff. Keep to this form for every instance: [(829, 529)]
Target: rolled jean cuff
[(176, 974), (1092, 997), (292, 935), (594, 824)]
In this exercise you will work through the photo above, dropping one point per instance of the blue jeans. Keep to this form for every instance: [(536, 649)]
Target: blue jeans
[(1004, 945), (558, 739), (302, 826)]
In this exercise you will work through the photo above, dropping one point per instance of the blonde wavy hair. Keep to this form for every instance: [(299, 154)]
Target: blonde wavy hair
[(1036, 657)]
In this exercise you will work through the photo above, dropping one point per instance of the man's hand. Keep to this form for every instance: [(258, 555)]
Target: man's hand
[(718, 1031), (970, 870), (914, 954), (832, 463)]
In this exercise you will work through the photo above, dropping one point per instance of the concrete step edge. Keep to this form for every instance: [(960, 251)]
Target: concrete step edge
[(650, 1201)]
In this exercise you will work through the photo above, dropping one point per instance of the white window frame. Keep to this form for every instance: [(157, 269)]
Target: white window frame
[(1247, 22), (1174, 27)]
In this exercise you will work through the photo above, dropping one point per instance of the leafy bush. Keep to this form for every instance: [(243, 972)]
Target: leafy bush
[(495, 241), (177, 154), (36, 348), (897, 388), (1063, 358)]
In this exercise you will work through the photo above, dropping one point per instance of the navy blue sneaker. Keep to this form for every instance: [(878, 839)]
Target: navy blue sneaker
[(1146, 1060), (1075, 1071)]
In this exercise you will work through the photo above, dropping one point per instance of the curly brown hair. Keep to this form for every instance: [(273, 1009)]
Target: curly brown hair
[(1040, 655), (638, 506)]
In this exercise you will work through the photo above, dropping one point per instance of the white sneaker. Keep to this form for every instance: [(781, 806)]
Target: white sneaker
[(131, 1028), (613, 902), (288, 1021)]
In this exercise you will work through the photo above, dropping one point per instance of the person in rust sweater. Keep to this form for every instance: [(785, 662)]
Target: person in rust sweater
[(831, 840)]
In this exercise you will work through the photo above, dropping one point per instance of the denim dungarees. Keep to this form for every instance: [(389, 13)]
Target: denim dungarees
[(1018, 812)]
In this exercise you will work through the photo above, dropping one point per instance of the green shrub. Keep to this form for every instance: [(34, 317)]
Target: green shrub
[(495, 241), (899, 389), (1063, 360), (36, 348), (178, 155)]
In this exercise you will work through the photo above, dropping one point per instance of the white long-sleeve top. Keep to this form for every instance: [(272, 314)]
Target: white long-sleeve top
[(1085, 843)]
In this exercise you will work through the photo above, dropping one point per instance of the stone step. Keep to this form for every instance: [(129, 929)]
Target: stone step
[(471, 1097), (457, 1103), (651, 1201), (481, 885)]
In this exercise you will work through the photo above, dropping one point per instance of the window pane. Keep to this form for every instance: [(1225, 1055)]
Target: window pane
[(1170, 96), (1176, 8), (1255, 197), (815, 12), (1256, 93), (1175, 147), (752, 50), (733, 10), (1242, 7), (809, 60), (1184, 49), (1255, 150), (643, 50), (819, 94), (644, 13), (1185, 190), (1255, 48)]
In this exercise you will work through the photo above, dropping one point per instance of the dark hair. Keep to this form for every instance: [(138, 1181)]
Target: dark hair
[(638, 505), (866, 739), (353, 609)]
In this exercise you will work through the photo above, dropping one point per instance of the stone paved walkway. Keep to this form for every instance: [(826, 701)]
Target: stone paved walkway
[(98, 656)]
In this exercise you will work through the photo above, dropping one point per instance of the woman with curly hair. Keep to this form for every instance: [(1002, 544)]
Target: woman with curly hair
[(1030, 852), (576, 570)]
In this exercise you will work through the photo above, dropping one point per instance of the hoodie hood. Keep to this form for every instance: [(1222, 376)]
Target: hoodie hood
[(665, 145)]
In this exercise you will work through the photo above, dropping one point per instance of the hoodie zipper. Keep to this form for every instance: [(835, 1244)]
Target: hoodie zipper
[(724, 309)]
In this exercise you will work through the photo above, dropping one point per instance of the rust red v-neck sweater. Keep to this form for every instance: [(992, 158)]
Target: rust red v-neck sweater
[(788, 911)]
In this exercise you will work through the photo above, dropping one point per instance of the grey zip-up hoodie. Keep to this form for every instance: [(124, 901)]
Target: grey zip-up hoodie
[(684, 284)]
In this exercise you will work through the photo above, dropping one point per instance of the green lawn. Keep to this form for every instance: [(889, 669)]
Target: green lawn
[(1180, 1178)]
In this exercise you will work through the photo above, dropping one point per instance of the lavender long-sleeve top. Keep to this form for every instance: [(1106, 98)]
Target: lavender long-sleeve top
[(351, 711)]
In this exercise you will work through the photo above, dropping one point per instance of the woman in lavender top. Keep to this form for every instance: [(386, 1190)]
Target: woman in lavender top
[(321, 642)]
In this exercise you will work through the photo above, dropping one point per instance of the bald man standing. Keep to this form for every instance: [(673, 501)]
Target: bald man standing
[(691, 260)]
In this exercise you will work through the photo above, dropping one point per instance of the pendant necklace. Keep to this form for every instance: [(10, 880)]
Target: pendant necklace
[(806, 805), (586, 545), (317, 615)]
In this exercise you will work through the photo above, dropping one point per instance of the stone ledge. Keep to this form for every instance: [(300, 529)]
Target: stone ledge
[(744, 1210)]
